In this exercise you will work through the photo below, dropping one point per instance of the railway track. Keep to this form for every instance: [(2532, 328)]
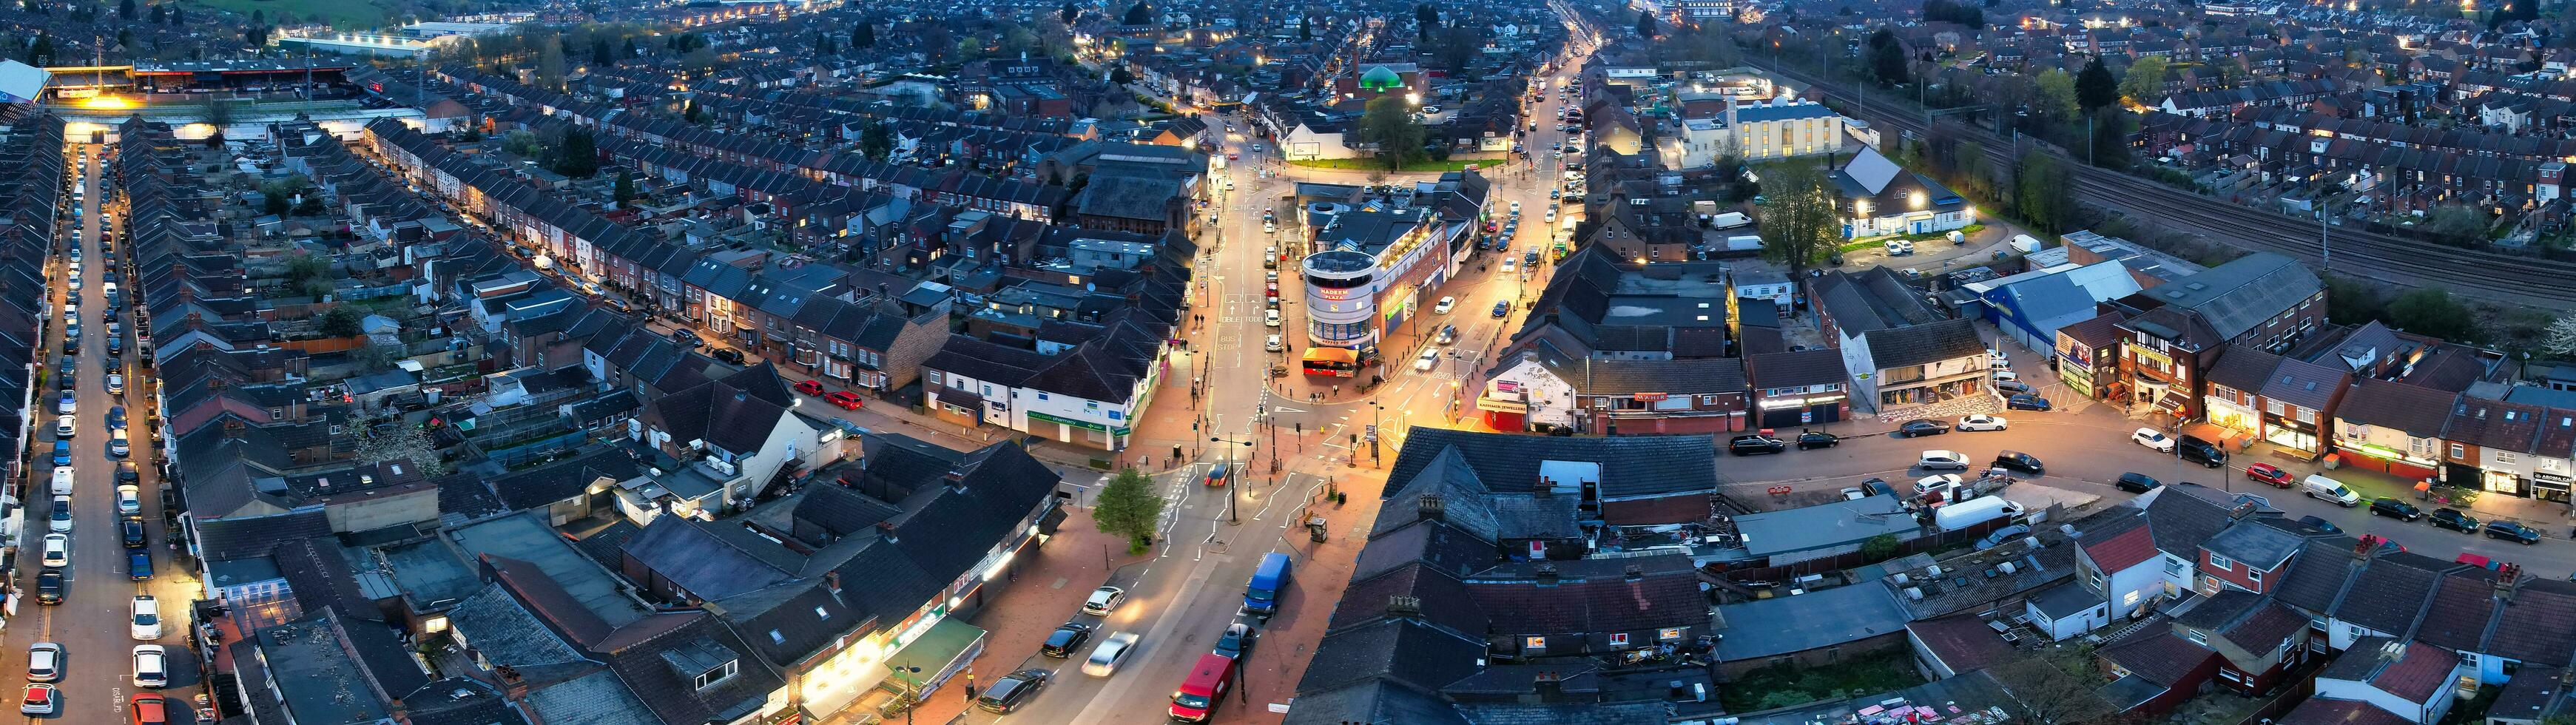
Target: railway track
[(2497, 276)]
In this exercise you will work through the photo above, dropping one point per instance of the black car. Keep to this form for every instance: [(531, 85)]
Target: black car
[(1066, 640), (729, 355), (1013, 690), (134, 536), (2385, 506), (1237, 640), (2136, 483), (2012, 387), (2205, 453), (2324, 525), (1818, 439), (2019, 461), (2028, 402), (2513, 532), (49, 586), (126, 473), (1920, 427), (1749, 445), (2451, 518)]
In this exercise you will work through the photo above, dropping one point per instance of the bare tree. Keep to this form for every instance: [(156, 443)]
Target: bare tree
[(2050, 695), (402, 443)]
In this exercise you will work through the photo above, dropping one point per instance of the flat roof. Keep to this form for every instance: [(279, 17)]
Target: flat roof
[(525, 538), (1816, 527), (1801, 622)]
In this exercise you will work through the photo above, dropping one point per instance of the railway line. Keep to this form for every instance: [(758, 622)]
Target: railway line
[(2497, 276)]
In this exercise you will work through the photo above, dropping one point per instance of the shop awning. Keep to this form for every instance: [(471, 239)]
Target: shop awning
[(1332, 355), (939, 652), (2171, 401)]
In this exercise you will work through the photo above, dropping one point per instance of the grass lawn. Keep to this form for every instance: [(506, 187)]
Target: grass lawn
[(343, 14), (1789, 685), (1373, 165)]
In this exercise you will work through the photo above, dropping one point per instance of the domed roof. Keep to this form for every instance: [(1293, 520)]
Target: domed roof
[(1381, 78)]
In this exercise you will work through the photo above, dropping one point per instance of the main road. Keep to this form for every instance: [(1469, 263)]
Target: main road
[(92, 623)]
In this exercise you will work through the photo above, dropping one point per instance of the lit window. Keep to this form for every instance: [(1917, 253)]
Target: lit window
[(1619, 639)]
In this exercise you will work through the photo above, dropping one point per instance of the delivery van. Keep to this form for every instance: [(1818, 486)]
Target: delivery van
[(2330, 490), (1198, 696), (1261, 597)]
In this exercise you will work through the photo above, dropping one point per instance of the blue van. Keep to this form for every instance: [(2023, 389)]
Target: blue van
[(1261, 597)]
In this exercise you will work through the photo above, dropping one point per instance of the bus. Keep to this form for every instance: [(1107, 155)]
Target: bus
[(1331, 362)]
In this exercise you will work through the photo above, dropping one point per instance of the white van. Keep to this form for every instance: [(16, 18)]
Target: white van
[(62, 480), (2320, 487)]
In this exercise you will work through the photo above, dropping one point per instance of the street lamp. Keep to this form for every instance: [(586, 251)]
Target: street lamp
[(1233, 473), (910, 679)]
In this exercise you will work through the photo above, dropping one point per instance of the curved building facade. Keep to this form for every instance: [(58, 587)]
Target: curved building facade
[(1373, 269)]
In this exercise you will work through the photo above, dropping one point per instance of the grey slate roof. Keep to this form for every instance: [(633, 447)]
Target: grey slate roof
[(1465, 501), (1631, 466), (1802, 368), (2243, 367), (2304, 384), (2416, 411), (1375, 702), (2236, 296), (1924, 344)]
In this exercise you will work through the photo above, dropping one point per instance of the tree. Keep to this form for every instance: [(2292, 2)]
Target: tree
[(550, 67), (577, 156), (1459, 45), (1387, 122), (2431, 311), (1305, 29), (1425, 17), (1645, 25), (405, 442), (690, 112), (1139, 14), (601, 56), (2458, 225), (2053, 95), (1129, 507), (1879, 548), (341, 321), (1801, 215), (2560, 339), (625, 191), (2110, 138), (876, 140), (2094, 87), (125, 11), (159, 15), (864, 36), (521, 142), (1886, 58), (219, 112), (1119, 74), (43, 48), (2044, 192), (630, 51), (1067, 13), (2145, 83), (2050, 695)]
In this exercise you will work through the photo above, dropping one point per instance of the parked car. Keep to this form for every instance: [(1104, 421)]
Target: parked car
[(44, 662), (2268, 473), (728, 355), (2513, 532), (2395, 508), (1746, 445), (151, 666), (809, 387), (2451, 518), (2205, 453), (1942, 460), (2134, 482), (846, 400), (2153, 439), (1818, 439), (1854, 494), (1237, 640), (1502, 309), (1920, 427), (1444, 305), (2027, 402), (1013, 690), (40, 699), (49, 586), (1066, 639), (2321, 524), (1982, 422), (1103, 601), (2019, 461)]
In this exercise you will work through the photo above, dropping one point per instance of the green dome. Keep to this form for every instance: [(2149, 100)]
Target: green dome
[(1380, 78)]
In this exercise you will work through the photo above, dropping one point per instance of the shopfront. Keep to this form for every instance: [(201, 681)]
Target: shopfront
[(2237, 418), (2291, 433), (1794, 412), (2549, 486)]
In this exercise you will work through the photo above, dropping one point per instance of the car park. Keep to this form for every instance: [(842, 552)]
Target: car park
[(1937, 460), (2027, 402), (2152, 438), (2451, 518), (1920, 427), (2136, 483), (1104, 659), (2513, 531), (1013, 690), (1818, 439), (1982, 422), (1745, 445), (1103, 601), (2395, 508), (1065, 640), (2268, 473), (2019, 461)]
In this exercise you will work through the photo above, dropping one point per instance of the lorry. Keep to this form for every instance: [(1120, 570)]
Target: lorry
[(1973, 511), (1729, 220), (1261, 597)]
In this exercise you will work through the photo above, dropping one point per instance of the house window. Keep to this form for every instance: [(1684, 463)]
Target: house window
[(2459, 451), (776, 638), (2196, 636), (2221, 563), (2504, 458), (2254, 575), (1533, 643), (1669, 634), (2307, 416), (1618, 639), (718, 674), (2354, 631), (2272, 406), (1042, 395), (2093, 578)]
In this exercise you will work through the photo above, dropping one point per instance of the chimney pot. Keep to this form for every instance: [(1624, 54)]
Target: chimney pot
[(1432, 507)]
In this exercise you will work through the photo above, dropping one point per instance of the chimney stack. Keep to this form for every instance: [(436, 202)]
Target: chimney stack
[(2504, 581), (2367, 548), (513, 687), (1635, 573), (956, 480), (1403, 606), (1550, 686), (1431, 507), (885, 529), (832, 581)]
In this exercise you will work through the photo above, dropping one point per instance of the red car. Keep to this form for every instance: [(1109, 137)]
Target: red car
[(809, 387), (2268, 473), (1229, 155), (846, 399)]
